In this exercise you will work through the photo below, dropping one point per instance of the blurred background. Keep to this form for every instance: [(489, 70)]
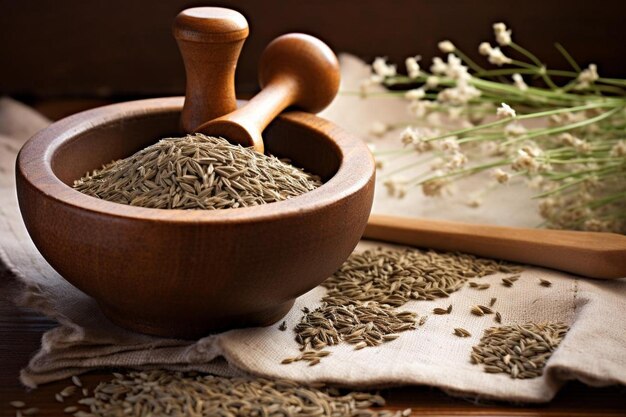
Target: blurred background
[(64, 56)]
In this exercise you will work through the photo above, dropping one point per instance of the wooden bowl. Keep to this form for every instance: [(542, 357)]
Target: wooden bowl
[(180, 273)]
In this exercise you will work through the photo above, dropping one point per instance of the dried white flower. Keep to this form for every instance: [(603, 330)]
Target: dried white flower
[(581, 146), (597, 225), (382, 69), (500, 175), (378, 128), (449, 144), (485, 48), (503, 36), (438, 67), (456, 161), (527, 160), (432, 81), (417, 138), (420, 108), (415, 94), (587, 76), (412, 66), (514, 130), (518, 80), (446, 47), (619, 149), (505, 111), (396, 186), (434, 187), (497, 57)]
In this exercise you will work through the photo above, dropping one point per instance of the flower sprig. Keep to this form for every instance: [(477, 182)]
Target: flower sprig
[(563, 132)]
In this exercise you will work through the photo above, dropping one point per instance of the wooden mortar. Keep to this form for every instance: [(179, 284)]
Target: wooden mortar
[(185, 273)]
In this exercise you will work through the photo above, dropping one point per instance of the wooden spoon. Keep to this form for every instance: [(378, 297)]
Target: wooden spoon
[(295, 70), (589, 254)]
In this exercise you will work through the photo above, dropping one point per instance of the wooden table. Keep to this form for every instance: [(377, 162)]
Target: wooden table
[(21, 330)]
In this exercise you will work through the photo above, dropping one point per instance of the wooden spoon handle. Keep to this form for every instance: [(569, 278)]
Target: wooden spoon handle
[(589, 254), (295, 70)]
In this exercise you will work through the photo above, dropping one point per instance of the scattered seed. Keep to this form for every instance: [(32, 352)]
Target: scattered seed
[(70, 409), (477, 311), (174, 393), (485, 309), (461, 332), (76, 380), (522, 351), (440, 311), (85, 392), (58, 397), (17, 404), (545, 282), (507, 282), (283, 326), (30, 411), (492, 301), (423, 320), (498, 317)]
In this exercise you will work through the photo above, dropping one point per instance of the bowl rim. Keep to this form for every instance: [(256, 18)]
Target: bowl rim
[(34, 165)]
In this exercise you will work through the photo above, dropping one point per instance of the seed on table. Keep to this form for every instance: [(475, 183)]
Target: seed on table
[(544, 282), (485, 309), (507, 282), (17, 404), (477, 311), (58, 397), (461, 332), (30, 411), (76, 380), (440, 311), (492, 302), (70, 409), (498, 317), (283, 326)]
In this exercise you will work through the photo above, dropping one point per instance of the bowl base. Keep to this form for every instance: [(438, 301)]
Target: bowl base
[(198, 329)]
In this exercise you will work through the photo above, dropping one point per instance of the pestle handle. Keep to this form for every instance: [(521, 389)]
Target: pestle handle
[(295, 70), (210, 40)]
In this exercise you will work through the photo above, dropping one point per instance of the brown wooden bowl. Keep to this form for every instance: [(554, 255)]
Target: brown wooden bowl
[(180, 273)]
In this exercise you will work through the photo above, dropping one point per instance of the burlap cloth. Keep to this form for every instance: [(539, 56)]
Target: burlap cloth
[(594, 350)]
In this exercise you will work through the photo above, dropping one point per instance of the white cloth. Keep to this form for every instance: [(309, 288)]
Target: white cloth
[(593, 351)]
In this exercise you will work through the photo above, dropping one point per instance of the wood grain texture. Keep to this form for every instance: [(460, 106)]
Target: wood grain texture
[(589, 254), (184, 273), (296, 70), (21, 330), (210, 40)]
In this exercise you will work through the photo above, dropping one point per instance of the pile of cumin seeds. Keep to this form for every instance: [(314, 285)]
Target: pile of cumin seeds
[(360, 307), (395, 276), (197, 172), (519, 350), (158, 392)]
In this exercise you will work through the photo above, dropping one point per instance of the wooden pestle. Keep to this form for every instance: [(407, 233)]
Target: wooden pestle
[(210, 40), (295, 70)]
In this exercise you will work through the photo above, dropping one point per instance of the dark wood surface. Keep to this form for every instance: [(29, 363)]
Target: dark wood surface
[(119, 47), (21, 330)]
